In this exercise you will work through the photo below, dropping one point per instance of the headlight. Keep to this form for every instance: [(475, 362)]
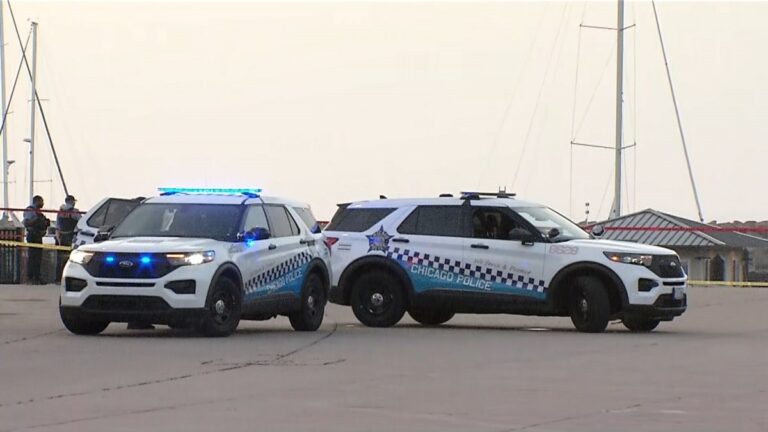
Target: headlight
[(629, 258), (78, 256), (190, 258)]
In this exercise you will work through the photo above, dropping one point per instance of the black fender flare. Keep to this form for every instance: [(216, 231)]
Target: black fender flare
[(349, 275), (318, 265), (227, 267), (557, 287)]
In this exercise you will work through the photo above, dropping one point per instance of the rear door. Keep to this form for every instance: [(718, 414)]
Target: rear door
[(429, 245), (289, 251), (506, 254)]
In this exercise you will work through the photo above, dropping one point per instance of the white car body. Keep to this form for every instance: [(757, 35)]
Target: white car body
[(485, 275), (117, 285)]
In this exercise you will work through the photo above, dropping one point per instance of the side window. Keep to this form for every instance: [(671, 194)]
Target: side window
[(495, 224), (118, 210), (309, 219), (357, 219), (97, 218), (281, 223), (256, 218), (434, 221)]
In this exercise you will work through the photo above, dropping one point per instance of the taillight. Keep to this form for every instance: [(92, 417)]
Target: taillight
[(330, 241)]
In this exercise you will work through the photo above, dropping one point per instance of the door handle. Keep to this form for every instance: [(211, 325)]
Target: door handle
[(272, 246), (401, 240), (480, 246), (307, 242)]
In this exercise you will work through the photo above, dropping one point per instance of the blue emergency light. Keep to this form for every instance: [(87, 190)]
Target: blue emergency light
[(249, 192)]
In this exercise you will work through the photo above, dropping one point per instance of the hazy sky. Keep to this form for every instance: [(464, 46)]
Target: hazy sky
[(331, 102)]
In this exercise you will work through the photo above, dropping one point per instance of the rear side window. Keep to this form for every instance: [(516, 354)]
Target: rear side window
[(112, 212), (433, 221), (308, 218), (357, 219), (281, 222)]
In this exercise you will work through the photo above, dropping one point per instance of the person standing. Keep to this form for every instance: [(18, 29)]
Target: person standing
[(36, 224), (66, 221)]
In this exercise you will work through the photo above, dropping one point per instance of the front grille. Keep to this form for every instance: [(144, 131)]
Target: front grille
[(117, 303), (668, 301), (128, 266), (126, 284), (667, 266)]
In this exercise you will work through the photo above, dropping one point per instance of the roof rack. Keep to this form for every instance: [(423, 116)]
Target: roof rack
[(478, 195)]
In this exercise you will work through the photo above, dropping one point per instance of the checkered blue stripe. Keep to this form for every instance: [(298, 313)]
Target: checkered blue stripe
[(272, 273), (487, 274)]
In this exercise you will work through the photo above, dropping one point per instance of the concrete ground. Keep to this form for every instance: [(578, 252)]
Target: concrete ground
[(707, 371)]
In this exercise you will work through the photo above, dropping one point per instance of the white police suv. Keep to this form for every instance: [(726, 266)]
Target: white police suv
[(491, 253), (201, 258)]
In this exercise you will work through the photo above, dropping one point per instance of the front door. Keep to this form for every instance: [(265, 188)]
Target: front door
[(506, 255)]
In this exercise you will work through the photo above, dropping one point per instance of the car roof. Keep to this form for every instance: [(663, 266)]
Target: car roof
[(403, 202), (233, 199)]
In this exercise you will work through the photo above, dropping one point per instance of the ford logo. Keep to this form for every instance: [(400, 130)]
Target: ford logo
[(125, 264)]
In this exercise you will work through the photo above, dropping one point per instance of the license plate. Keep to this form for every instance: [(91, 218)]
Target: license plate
[(678, 293)]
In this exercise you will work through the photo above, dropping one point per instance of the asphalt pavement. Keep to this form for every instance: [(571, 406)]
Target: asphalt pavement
[(706, 371)]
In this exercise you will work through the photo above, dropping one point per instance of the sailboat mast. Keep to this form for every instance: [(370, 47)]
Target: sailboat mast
[(616, 210), (2, 111), (33, 101)]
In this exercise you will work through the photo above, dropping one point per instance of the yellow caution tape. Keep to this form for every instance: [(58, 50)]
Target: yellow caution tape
[(36, 245), (731, 284)]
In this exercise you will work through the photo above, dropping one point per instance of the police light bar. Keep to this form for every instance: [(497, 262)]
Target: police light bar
[(500, 194), (250, 192)]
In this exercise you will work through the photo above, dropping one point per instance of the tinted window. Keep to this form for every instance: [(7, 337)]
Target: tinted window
[(309, 219), (357, 219), (281, 223), (112, 212), (219, 222), (493, 223), (433, 220), (256, 218)]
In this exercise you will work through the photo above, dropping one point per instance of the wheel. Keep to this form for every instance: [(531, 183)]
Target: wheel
[(430, 317), (222, 309), (589, 305), (81, 326), (313, 300), (377, 299), (640, 325)]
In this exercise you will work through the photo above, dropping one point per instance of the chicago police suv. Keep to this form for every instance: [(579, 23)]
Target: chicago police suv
[(491, 253), (204, 259)]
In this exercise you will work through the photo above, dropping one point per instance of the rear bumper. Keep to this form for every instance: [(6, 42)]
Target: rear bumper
[(665, 308), (123, 308)]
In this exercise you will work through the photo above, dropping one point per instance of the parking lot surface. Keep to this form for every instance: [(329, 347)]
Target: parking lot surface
[(707, 371)]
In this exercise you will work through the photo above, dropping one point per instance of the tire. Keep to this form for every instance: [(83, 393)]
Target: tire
[(430, 317), (81, 326), (378, 299), (588, 305), (222, 309), (313, 300), (640, 325)]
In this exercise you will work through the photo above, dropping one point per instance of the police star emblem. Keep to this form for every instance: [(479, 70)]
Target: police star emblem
[(379, 240)]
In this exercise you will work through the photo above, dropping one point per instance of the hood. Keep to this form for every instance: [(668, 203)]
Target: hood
[(152, 244), (620, 246)]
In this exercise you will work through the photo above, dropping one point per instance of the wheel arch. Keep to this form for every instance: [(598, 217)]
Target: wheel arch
[(317, 265), (228, 270), (367, 263), (558, 289)]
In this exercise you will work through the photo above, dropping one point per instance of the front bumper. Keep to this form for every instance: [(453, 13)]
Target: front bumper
[(665, 308), (125, 298), (131, 309)]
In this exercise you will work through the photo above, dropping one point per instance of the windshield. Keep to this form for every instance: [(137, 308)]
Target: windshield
[(544, 219), (214, 221)]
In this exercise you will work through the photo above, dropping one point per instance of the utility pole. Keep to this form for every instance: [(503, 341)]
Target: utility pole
[(32, 106), (3, 109), (616, 210)]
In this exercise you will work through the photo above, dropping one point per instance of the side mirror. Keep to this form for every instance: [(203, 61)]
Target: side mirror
[(553, 233), (522, 235), (254, 234), (598, 230), (103, 233)]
